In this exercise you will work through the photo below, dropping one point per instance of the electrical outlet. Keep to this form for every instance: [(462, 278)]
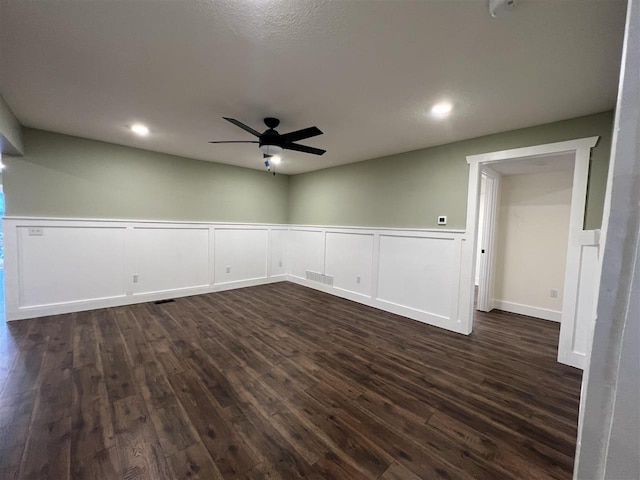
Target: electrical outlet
[(35, 231), (442, 220), (135, 278), (228, 269), (554, 293), (358, 279)]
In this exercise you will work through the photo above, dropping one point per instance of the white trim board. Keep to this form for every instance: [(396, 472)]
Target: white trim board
[(528, 310), (96, 303), (533, 151), (22, 218), (372, 228)]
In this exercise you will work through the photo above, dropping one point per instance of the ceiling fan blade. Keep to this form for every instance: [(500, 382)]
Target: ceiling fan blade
[(243, 126), (301, 134), (237, 141), (303, 148)]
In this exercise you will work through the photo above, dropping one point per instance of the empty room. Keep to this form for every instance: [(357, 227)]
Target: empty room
[(319, 239)]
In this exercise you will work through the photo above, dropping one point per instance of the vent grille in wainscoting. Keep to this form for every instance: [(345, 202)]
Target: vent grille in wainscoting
[(320, 278)]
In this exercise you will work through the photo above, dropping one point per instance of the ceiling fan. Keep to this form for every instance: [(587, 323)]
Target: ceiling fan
[(272, 143)]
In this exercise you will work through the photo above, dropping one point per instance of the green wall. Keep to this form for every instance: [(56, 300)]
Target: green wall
[(70, 177), (63, 176), (411, 189)]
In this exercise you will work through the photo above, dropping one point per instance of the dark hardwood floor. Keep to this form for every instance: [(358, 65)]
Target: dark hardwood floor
[(282, 382)]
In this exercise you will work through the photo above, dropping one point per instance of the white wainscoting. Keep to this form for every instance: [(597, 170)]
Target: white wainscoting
[(69, 263), (240, 254), (278, 238), (414, 273), (55, 266), (349, 260), (418, 272), (305, 252), (169, 259), (579, 309)]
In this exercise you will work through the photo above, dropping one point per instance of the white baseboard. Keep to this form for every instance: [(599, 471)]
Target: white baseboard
[(24, 313), (413, 314), (93, 304), (573, 359), (528, 310)]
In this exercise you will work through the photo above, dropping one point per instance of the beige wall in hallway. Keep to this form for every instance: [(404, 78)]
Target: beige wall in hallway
[(532, 232)]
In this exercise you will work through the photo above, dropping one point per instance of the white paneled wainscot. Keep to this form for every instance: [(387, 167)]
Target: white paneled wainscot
[(57, 266), (240, 254), (579, 305), (61, 264), (415, 273), (169, 259)]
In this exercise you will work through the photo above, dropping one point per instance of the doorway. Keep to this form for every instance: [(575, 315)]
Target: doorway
[(578, 306), (523, 232), (490, 182)]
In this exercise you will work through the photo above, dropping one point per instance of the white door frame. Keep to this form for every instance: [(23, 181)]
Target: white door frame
[(485, 284), (577, 237)]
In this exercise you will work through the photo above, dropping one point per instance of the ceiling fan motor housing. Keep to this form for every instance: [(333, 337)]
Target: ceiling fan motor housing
[(271, 122), (270, 141), (273, 143)]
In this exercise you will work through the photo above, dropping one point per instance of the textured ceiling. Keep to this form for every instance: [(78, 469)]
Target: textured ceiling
[(365, 72)]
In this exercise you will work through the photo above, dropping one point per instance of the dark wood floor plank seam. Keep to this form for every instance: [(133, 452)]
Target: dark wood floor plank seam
[(282, 382)]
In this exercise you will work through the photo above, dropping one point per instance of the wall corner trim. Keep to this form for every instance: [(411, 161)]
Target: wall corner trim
[(10, 131)]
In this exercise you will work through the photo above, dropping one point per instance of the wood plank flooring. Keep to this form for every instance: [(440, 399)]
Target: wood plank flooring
[(282, 382)]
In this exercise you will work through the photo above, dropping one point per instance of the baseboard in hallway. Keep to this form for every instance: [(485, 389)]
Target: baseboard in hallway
[(528, 310)]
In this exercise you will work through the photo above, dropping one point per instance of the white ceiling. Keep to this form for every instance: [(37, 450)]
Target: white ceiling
[(365, 72), (538, 164)]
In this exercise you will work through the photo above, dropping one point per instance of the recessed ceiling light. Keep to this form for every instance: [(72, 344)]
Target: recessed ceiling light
[(276, 159), (140, 129), (441, 109)]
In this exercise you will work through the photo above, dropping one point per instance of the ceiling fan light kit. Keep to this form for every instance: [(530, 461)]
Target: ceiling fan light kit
[(270, 149), (271, 143)]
